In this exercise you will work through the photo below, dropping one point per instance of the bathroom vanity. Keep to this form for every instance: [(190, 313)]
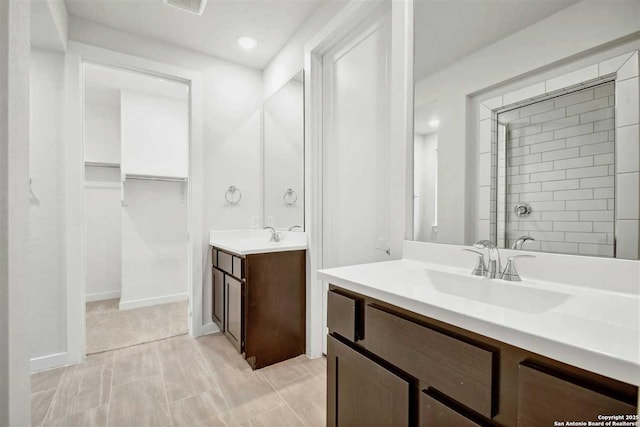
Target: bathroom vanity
[(258, 296), (416, 343)]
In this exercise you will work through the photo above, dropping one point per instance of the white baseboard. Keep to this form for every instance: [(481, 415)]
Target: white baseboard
[(47, 362), (128, 305), (103, 296), (209, 328)]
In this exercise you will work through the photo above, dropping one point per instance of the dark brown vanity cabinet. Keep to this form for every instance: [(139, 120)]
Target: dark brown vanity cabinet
[(259, 302), (453, 377)]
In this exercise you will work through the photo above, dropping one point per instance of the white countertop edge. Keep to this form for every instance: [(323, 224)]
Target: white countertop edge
[(589, 360), (258, 250)]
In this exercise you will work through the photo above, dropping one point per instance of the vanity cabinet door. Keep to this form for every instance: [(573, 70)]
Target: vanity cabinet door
[(233, 310), (361, 393), (436, 414), (217, 294)]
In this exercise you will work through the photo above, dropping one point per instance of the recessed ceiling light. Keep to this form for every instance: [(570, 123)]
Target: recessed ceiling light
[(246, 42), (434, 123)]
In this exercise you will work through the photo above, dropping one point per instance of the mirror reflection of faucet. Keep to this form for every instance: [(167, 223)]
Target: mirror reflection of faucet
[(517, 245)]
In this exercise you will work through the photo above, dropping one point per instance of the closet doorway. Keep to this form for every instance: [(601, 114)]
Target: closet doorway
[(136, 213)]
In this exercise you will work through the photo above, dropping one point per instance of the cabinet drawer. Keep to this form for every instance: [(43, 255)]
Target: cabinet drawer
[(344, 316), (238, 271), (456, 368), (225, 262), (436, 414), (214, 257), (544, 398)]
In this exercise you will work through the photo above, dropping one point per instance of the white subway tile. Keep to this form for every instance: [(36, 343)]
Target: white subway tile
[(573, 98), (577, 162), (484, 169), (483, 202), (596, 215), (572, 226), (594, 116), (595, 249), (534, 139), (627, 246), (560, 247), (588, 172), (573, 131), (601, 148), (547, 146), (587, 205), (603, 193), (573, 78), (536, 225), (528, 92), (629, 69), (599, 238), (519, 151), (536, 167), (628, 196), (611, 204), (573, 194), (592, 138), (548, 236), (603, 159), (493, 103), (519, 179), (583, 107), (560, 154), (549, 115), (548, 176), (484, 112), (627, 109), (602, 227), (604, 181), (509, 116), (564, 122), (604, 90), (560, 216), (525, 131), (602, 125), (484, 136), (573, 184), (525, 160), (612, 169), (612, 65), (524, 188), (548, 206), (612, 101), (519, 123), (536, 197), (536, 108), (628, 149)]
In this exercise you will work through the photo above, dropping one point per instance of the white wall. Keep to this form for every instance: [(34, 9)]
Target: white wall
[(102, 133), (290, 59), (102, 216), (576, 29), (425, 158), (46, 279), (155, 135), (14, 213), (232, 99)]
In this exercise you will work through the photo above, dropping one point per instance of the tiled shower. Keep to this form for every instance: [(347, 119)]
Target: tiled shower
[(558, 155)]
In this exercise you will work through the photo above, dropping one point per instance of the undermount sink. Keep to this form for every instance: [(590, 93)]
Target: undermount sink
[(511, 295)]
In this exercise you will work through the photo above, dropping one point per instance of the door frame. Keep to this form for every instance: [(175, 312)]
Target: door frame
[(75, 251), (401, 121)]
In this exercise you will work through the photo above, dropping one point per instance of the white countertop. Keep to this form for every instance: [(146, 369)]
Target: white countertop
[(597, 330), (247, 242)]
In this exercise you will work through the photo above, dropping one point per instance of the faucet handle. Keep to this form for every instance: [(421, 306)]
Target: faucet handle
[(510, 273), (480, 268)]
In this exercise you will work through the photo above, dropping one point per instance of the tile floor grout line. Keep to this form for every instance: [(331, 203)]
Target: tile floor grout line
[(283, 399)]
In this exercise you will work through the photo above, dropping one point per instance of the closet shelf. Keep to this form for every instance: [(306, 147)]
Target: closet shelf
[(155, 177), (103, 165)]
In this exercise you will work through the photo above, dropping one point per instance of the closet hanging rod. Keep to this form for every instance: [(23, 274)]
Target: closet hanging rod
[(103, 165), (155, 178)]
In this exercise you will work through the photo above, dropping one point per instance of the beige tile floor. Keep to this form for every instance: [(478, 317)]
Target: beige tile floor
[(178, 382), (109, 328)]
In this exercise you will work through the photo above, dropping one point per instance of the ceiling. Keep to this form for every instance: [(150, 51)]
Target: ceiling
[(446, 31), (103, 85), (271, 22)]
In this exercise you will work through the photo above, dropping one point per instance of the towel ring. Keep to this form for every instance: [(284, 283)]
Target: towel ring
[(290, 197), (230, 195)]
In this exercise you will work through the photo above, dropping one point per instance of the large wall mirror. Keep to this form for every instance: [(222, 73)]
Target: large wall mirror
[(284, 156), (526, 125)]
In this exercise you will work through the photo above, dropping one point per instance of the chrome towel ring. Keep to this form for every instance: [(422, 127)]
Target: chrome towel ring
[(290, 197), (233, 195)]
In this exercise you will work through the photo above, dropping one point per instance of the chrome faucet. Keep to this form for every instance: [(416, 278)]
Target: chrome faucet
[(494, 267), (275, 236), (293, 227), (517, 245)]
